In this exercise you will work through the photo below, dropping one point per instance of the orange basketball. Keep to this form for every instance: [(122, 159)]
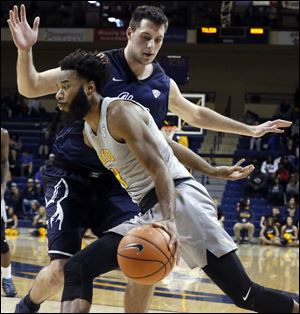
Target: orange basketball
[(145, 254)]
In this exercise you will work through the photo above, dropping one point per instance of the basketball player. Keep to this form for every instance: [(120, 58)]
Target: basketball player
[(134, 76), (129, 143), (7, 282)]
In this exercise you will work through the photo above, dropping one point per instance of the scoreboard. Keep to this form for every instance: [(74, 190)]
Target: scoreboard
[(233, 35)]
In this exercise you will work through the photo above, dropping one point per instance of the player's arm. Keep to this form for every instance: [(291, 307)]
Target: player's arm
[(30, 83), (195, 162), (206, 118), (4, 159), (128, 123), (262, 232)]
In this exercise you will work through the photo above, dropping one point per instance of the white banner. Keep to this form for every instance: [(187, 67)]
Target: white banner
[(290, 38), (66, 34)]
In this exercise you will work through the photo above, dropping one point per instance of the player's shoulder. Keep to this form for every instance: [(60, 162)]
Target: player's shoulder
[(120, 109), (113, 53)]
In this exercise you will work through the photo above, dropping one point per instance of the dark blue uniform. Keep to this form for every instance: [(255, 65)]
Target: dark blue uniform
[(80, 193)]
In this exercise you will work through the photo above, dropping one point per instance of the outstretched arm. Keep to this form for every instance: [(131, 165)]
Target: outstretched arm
[(195, 162), (208, 119), (30, 83)]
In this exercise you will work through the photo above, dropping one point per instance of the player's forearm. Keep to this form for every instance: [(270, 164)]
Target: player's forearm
[(192, 160), (27, 76), (164, 188), (211, 120)]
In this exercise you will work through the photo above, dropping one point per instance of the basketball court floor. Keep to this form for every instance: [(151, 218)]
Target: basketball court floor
[(183, 290)]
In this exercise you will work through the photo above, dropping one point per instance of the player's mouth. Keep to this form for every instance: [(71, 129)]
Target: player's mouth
[(148, 55)]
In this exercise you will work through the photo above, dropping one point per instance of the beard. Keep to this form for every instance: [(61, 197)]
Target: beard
[(80, 106)]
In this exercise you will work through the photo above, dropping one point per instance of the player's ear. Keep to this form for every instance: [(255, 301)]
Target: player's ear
[(129, 32), (90, 88)]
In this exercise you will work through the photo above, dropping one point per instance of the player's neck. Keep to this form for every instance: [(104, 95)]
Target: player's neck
[(93, 116), (141, 71)]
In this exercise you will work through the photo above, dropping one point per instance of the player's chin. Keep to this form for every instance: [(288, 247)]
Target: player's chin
[(63, 107)]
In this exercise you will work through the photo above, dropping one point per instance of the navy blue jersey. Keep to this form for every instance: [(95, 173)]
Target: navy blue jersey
[(152, 93)]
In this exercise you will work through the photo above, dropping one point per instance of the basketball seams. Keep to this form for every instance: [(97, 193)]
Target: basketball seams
[(151, 274), (141, 259)]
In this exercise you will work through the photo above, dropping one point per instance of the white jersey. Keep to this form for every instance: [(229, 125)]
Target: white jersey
[(118, 158)]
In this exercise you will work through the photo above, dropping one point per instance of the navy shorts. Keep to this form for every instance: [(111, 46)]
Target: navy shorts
[(75, 203)]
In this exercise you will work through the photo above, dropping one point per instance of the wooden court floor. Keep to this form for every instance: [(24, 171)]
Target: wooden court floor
[(183, 290)]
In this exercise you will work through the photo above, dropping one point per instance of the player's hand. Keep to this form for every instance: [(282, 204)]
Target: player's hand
[(235, 172), (170, 227), (270, 126), (23, 35)]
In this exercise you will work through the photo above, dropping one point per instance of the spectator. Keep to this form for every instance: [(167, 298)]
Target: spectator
[(11, 225), (26, 164), (291, 153), (15, 143), (269, 234), (275, 215), (244, 215), (13, 163), (292, 210), (255, 141), (40, 192), (45, 145), (28, 195), (287, 164), (268, 167), (33, 106), (257, 183), (283, 175), (40, 222), (289, 233), (276, 194), (13, 198), (292, 188)]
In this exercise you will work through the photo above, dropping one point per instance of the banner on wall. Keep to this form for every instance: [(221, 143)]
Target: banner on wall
[(290, 38), (66, 35), (110, 34)]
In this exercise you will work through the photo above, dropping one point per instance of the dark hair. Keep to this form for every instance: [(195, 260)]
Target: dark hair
[(154, 14), (93, 66)]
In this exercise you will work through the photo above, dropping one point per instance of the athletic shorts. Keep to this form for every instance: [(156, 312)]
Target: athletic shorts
[(196, 221), (72, 205)]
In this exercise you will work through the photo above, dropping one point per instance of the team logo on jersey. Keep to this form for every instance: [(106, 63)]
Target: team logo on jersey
[(106, 156), (117, 80), (156, 93), (126, 95)]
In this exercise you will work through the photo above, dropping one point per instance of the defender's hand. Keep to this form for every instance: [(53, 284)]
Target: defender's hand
[(23, 35), (270, 126), (235, 172)]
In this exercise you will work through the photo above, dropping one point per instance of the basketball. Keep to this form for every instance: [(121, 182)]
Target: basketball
[(145, 254)]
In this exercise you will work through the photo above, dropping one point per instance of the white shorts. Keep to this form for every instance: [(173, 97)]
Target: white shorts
[(197, 224)]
